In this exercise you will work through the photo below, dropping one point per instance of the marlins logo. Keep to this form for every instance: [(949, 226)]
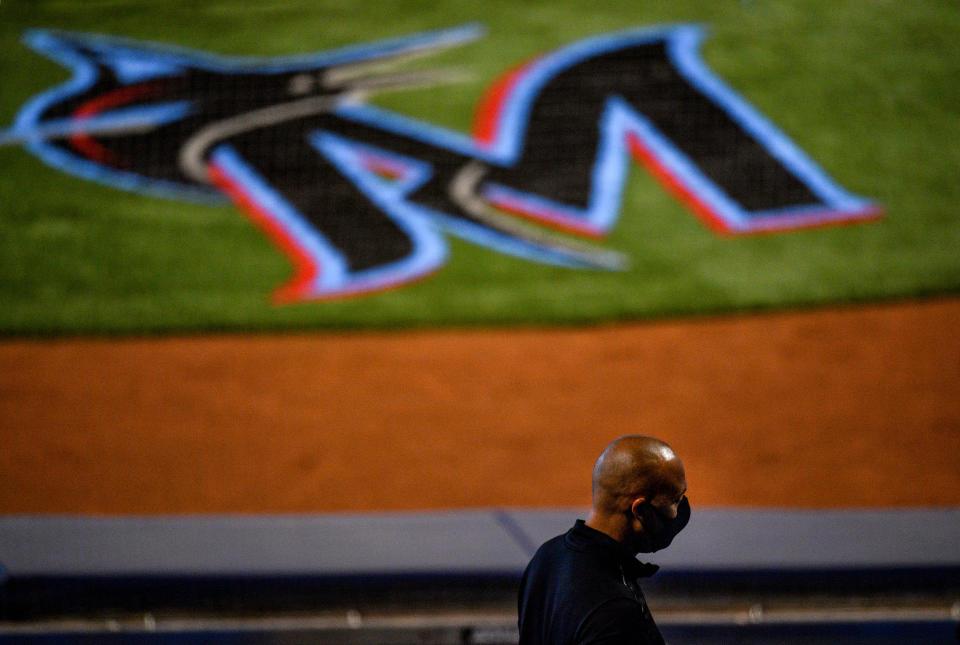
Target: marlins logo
[(361, 198)]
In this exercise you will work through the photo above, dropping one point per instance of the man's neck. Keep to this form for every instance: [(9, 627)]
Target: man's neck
[(612, 526)]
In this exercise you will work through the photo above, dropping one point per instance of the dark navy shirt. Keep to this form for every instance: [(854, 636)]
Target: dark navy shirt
[(580, 589)]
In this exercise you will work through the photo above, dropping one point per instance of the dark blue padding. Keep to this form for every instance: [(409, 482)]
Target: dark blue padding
[(320, 545), (827, 633), (54, 563), (940, 632), (764, 550), (718, 540)]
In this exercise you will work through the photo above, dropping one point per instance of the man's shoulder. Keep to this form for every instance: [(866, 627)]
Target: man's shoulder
[(552, 546), (576, 573), (546, 558)]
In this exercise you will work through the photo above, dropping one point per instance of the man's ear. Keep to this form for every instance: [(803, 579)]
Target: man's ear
[(635, 508)]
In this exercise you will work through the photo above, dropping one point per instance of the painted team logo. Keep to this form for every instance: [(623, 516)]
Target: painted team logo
[(361, 198)]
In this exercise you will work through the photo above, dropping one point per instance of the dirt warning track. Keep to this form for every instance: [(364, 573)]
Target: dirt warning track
[(830, 408)]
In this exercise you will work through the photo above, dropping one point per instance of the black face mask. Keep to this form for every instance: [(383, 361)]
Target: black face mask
[(659, 531)]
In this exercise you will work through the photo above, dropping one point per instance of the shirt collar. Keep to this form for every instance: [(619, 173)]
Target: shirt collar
[(584, 538)]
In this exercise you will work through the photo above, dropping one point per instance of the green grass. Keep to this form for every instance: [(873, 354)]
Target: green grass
[(869, 90)]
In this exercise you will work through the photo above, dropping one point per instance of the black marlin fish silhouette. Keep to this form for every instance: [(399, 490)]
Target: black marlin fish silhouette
[(361, 198)]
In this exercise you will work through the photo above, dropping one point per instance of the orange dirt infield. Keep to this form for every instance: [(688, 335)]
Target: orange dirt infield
[(841, 407)]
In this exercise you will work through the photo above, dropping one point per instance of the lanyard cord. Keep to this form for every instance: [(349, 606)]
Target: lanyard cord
[(632, 588)]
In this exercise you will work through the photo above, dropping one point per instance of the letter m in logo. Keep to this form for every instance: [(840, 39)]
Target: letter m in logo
[(362, 199)]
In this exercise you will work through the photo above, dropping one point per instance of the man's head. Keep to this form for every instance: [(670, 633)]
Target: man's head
[(639, 488)]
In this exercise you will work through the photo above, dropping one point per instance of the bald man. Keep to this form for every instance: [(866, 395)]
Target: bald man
[(581, 587)]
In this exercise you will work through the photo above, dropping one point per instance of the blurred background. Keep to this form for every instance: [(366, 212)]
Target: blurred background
[(187, 455)]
